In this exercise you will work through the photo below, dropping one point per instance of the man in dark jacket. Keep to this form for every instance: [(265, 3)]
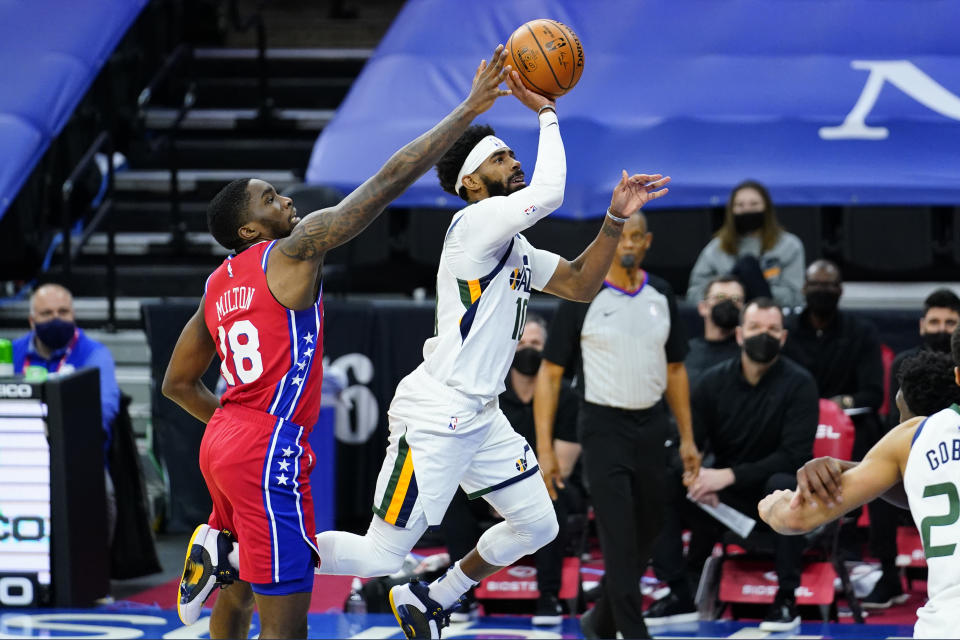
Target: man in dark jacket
[(757, 415)]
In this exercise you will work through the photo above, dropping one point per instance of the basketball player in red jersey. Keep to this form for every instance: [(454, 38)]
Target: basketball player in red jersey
[(262, 314)]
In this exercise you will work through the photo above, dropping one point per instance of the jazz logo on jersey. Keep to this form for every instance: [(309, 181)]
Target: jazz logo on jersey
[(521, 463), (520, 278), (453, 423)]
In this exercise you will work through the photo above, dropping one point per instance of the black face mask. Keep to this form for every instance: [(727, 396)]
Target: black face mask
[(527, 361), (823, 302), (725, 314), (761, 348), (939, 341), (746, 223), (55, 333)]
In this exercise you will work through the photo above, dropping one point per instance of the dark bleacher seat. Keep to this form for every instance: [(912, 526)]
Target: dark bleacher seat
[(372, 246), (888, 239), (806, 224)]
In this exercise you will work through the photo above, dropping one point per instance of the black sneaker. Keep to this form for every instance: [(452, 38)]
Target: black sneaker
[(782, 615), (548, 612), (885, 593), (670, 610)]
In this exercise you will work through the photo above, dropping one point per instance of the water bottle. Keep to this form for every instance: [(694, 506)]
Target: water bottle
[(356, 603), (6, 357)]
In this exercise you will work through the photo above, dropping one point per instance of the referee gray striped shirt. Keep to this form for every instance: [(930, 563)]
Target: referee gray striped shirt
[(619, 344)]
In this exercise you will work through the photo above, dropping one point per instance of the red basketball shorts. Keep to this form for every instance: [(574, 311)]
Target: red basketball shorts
[(257, 469)]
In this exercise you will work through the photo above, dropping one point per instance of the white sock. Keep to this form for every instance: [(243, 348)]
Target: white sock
[(448, 588)]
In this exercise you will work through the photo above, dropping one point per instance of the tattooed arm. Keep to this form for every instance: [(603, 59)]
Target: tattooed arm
[(303, 250), (580, 279)]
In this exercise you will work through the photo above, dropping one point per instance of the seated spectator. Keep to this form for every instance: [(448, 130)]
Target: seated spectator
[(465, 519), (752, 246), (59, 346), (757, 415), (720, 309), (941, 316), (840, 350)]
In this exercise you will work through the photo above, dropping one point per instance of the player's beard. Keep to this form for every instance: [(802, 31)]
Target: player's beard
[(503, 188)]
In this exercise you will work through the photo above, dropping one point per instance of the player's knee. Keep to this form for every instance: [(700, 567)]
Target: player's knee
[(536, 532), (545, 529)]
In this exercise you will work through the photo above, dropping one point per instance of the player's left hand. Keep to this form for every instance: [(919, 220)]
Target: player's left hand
[(632, 192), (691, 461)]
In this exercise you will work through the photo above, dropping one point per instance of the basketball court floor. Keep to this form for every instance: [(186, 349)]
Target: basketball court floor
[(126, 620), (146, 608)]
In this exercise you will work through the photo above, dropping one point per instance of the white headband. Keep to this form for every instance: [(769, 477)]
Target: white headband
[(477, 155)]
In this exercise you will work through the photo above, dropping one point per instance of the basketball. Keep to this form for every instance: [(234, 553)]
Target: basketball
[(547, 55)]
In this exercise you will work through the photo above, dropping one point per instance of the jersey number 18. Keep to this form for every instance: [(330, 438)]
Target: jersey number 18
[(244, 342)]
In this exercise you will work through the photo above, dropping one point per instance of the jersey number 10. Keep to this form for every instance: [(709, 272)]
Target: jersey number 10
[(244, 342)]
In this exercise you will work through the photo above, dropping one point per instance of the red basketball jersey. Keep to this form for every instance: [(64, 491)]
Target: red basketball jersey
[(272, 357)]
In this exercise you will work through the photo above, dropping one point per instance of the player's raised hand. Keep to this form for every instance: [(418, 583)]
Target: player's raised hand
[(632, 192), (487, 80), (529, 99)]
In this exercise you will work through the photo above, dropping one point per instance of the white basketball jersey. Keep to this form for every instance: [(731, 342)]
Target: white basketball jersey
[(932, 483), (480, 319)]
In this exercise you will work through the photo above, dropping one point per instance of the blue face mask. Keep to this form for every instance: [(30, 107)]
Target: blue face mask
[(56, 333)]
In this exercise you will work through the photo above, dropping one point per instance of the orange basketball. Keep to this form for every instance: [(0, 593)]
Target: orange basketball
[(547, 55)]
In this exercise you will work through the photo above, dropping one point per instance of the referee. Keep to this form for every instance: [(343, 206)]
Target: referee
[(626, 347)]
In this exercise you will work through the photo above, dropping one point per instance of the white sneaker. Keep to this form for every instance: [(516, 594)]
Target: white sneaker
[(205, 567), (418, 615)]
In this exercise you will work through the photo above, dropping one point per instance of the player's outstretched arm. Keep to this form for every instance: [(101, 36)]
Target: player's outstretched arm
[(191, 356), (323, 230), (880, 469), (580, 279)]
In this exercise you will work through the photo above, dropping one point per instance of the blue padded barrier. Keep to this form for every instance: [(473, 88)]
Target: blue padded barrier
[(708, 92)]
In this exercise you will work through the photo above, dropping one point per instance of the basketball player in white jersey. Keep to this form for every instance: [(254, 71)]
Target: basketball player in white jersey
[(923, 454), (446, 427)]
